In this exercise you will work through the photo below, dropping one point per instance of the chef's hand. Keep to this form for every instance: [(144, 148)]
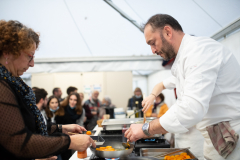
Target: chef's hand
[(50, 158), (147, 102), (135, 132), (81, 142), (75, 128)]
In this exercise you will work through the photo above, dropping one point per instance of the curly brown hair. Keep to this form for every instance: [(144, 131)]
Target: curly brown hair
[(15, 37)]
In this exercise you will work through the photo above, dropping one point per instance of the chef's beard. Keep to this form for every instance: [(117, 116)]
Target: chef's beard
[(167, 49)]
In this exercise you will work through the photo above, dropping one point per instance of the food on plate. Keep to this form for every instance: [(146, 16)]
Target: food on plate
[(182, 156)]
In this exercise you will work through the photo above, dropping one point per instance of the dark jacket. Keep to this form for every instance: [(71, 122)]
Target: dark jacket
[(18, 139)]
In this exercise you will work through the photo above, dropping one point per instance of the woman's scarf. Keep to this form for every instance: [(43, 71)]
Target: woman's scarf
[(72, 112), (28, 97)]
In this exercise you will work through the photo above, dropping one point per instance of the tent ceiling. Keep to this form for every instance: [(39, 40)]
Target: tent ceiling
[(84, 28)]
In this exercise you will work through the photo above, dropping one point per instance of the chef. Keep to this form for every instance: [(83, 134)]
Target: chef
[(206, 76)]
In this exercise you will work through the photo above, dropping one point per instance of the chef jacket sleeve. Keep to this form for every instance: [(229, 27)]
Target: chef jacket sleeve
[(200, 72), (170, 82)]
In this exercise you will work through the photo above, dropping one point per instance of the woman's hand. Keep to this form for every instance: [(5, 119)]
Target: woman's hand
[(81, 142), (75, 128), (147, 102)]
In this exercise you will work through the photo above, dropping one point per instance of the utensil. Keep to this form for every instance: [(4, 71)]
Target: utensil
[(71, 133), (126, 145), (144, 119), (113, 154), (166, 154)]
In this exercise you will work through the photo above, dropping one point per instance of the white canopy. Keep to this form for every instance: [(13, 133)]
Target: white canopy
[(72, 29)]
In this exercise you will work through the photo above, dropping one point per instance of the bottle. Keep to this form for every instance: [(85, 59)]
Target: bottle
[(83, 154), (137, 108)]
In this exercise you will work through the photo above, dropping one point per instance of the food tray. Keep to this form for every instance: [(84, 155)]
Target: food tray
[(151, 152), (117, 124), (99, 139)]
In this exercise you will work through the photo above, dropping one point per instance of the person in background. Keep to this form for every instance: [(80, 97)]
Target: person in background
[(57, 92), (71, 89), (160, 108), (106, 102), (51, 109), (109, 107), (41, 101), (49, 113), (81, 97), (93, 111), (137, 97), (24, 135), (70, 112), (34, 88)]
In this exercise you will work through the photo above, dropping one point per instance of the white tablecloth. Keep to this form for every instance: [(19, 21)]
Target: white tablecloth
[(89, 152)]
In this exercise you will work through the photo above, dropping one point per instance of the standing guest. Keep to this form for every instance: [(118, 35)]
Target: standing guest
[(70, 112), (71, 90), (24, 135), (93, 111), (41, 101), (57, 92), (137, 97), (34, 88), (160, 108)]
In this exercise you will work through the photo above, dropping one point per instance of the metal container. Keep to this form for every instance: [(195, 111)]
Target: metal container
[(112, 154), (98, 140), (117, 124), (151, 152)]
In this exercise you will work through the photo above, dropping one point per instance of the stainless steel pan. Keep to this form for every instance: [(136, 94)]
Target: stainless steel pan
[(112, 154)]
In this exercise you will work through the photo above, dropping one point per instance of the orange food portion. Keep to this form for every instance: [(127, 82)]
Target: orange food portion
[(182, 156), (88, 133), (107, 148)]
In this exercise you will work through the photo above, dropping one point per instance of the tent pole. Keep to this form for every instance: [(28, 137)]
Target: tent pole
[(110, 3)]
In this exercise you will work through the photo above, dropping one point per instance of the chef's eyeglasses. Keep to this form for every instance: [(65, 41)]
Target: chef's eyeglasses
[(30, 57)]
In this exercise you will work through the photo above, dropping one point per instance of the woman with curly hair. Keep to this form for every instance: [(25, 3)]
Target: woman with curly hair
[(24, 134)]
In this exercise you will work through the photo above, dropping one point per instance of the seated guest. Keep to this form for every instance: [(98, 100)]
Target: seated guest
[(51, 109), (109, 107), (24, 135), (106, 102), (57, 92), (160, 108)]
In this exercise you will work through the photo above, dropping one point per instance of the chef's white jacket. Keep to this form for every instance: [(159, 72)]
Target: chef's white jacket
[(207, 78)]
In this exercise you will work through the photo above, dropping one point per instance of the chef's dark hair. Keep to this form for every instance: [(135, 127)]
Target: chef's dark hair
[(40, 93), (159, 21)]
